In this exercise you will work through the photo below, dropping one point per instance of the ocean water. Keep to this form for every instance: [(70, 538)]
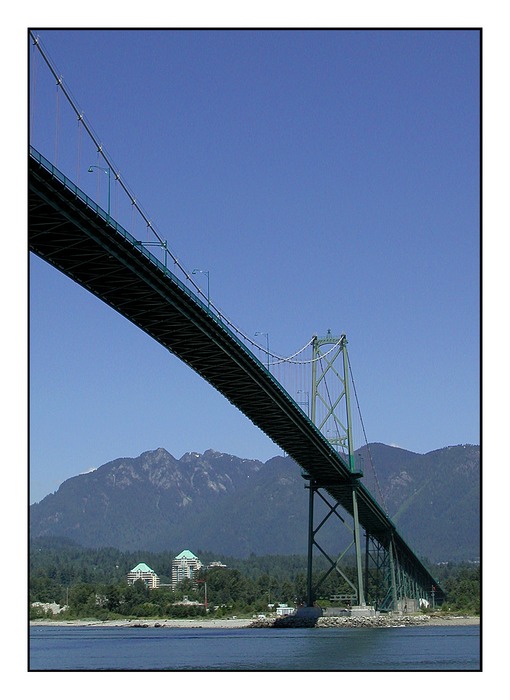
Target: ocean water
[(315, 649)]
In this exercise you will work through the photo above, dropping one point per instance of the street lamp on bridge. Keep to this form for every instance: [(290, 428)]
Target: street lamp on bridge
[(107, 171), (206, 273), (267, 344), (306, 402)]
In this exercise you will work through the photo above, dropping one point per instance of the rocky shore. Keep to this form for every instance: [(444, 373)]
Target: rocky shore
[(374, 621)]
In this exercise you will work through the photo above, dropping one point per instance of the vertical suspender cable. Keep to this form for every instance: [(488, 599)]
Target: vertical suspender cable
[(133, 231), (57, 121), (33, 75), (78, 166)]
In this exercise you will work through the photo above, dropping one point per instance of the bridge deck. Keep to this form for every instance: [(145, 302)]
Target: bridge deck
[(69, 231)]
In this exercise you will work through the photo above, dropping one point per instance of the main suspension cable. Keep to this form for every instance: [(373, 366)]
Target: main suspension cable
[(61, 85), (383, 502)]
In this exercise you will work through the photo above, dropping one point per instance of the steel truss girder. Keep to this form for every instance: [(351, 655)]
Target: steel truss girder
[(391, 583), (378, 574), (388, 582)]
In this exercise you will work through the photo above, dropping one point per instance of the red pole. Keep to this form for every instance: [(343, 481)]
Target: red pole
[(205, 591)]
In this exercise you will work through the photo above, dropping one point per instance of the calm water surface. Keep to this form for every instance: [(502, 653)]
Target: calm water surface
[(171, 649)]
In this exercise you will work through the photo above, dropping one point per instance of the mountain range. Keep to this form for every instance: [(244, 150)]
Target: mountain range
[(236, 507)]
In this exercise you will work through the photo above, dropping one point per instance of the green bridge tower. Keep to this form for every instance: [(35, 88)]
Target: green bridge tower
[(331, 413)]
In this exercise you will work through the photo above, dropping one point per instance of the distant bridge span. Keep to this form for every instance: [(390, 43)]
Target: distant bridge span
[(71, 232)]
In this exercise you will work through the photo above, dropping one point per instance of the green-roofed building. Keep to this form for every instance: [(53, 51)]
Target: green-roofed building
[(144, 573), (185, 565), (186, 554)]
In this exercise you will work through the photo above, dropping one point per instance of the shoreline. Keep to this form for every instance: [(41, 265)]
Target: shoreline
[(250, 623)]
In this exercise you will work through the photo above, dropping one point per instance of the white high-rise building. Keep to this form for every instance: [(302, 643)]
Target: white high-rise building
[(144, 573), (185, 565)]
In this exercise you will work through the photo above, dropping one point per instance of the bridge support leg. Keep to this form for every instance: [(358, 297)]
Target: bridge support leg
[(367, 563), (357, 544), (394, 604), (309, 586)]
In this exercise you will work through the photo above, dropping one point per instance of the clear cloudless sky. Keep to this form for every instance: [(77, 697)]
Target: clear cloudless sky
[(325, 179)]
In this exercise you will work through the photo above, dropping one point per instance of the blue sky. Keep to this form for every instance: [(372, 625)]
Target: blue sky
[(325, 179)]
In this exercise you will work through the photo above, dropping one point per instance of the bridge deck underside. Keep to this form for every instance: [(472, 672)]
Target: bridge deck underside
[(64, 231)]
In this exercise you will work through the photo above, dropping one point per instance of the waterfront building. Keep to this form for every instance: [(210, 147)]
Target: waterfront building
[(283, 609), (185, 565), (144, 573)]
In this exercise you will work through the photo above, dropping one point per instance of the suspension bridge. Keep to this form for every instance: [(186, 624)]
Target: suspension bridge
[(145, 283)]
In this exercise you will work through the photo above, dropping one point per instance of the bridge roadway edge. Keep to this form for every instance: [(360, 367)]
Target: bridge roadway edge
[(73, 234)]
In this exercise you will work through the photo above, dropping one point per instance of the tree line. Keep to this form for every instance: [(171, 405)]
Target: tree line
[(93, 583)]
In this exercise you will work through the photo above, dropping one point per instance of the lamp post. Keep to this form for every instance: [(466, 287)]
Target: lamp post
[(107, 171), (205, 272), (267, 344), (306, 402)]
